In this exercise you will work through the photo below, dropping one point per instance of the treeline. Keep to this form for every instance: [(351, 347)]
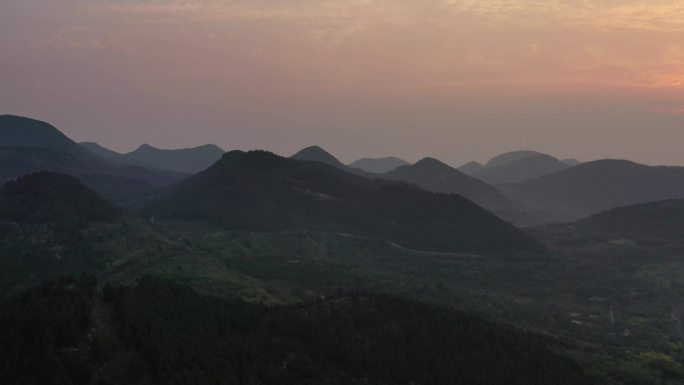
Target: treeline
[(43, 334), (158, 332)]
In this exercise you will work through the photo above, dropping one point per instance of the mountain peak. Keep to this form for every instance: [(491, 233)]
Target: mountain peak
[(317, 154), (471, 168), (432, 163), (146, 147)]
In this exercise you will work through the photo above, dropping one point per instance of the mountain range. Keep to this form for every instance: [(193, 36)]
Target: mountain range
[(260, 191), (433, 175), (266, 239), (568, 193), (186, 160), (599, 185), (28, 145), (516, 166), (429, 174)]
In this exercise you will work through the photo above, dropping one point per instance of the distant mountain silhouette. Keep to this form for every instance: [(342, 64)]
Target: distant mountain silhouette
[(471, 168), (599, 185), (433, 175), (430, 174), (509, 157), (185, 160), (317, 154), (100, 151), (28, 146), (571, 162), (378, 165), (521, 165), (261, 191), (21, 132)]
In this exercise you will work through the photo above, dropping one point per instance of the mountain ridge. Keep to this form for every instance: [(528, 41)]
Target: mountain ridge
[(260, 191), (434, 175)]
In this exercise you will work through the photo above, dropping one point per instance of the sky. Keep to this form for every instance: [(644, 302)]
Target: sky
[(457, 80)]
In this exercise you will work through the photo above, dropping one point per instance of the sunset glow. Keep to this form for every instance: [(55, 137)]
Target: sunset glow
[(332, 71)]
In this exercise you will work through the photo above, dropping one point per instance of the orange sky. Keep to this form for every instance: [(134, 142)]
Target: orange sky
[(459, 80)]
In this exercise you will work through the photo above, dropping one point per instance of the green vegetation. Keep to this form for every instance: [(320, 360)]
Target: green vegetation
[(604, 296), (160, 333), (42, 217)]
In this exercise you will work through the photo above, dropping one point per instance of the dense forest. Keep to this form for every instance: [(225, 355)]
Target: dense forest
[(68, 332), (42, 216)]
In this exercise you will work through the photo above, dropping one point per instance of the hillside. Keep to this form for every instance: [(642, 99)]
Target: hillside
[(652, 228), (600, 185), (42, 217), (264, 192), (433, 175), (663, 218), (100, 151), (378, 165), (53, 199), (519, 168), (344, 339)]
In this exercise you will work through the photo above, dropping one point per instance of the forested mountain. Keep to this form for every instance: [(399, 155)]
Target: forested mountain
[(54, 199), (260, 191), (185, 160), (643, 228), (42, 216), (433, 175), (599, 185), (378, 165), (156, 332)]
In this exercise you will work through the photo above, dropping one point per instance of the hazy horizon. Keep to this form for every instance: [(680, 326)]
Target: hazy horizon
[(455, 80)]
